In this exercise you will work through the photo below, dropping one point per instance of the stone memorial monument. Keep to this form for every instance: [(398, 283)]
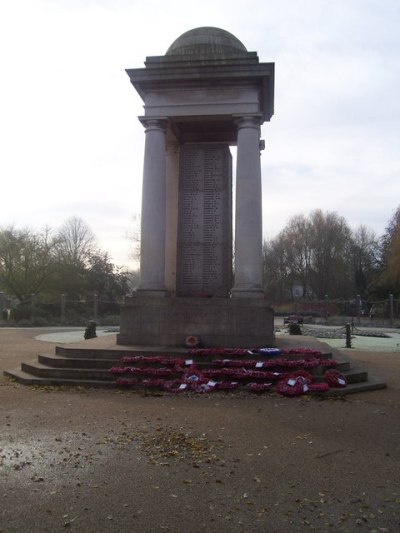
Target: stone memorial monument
[(205, 94)]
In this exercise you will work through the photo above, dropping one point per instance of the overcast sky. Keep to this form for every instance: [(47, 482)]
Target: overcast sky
[(71, 144)]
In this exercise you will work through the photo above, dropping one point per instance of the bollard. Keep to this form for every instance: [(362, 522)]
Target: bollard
[(348, 335), (359, 304), (95, 305), (63, 305), (391, 309), (326, 308), (90, 331)]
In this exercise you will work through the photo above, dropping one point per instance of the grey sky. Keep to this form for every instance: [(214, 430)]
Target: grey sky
[(71, 143)]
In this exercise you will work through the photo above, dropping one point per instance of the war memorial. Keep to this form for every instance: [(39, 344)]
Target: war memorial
[(205, 94)]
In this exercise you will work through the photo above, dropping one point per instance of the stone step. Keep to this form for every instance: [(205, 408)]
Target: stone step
[(84, 362), (373, 383), (352, 375), (38, 369), (117, 353), (356, 375), (91, 372), (81, 365), (58, 361), (29, 379)]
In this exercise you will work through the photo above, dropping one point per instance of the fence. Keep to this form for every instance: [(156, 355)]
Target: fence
[(62, 310), (387, 311)]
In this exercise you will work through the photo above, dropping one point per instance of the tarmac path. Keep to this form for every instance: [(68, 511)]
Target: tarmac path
[(112, 461)]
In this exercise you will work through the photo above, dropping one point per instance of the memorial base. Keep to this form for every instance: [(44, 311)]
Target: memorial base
[(241, 323)]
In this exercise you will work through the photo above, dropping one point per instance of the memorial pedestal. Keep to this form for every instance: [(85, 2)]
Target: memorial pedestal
[(242, 323)]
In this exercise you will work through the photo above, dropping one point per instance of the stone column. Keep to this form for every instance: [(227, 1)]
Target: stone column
[(171, 218), (248, 218), (152, 249)]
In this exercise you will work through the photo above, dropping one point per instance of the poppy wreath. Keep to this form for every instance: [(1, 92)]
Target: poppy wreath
[(214, 372), (318, 387), (173, 361), (254, 363), (286, 388), (295, 384), (118, 370), (149, 371), (311, 363), (208, 386), (328, 362), (292, 362), (276, 375), (272, 363), (302, 351), (126, 382), (270, 351), (306, 376), (194, 377), (151, 359), (227, 385), (153, 383), (242, 373), (220, 351), (241, 363), (142, 359), (176, 385), (259, 374), (335, 379), (220, 372), (192, 341), (258, 387)]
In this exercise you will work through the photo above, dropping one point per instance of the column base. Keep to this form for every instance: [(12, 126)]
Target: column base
[(241, 323)]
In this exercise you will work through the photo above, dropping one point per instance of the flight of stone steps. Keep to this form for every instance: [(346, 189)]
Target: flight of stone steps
[(91, 367)]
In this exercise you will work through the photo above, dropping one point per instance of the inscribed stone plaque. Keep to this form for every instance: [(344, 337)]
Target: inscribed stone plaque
[(204, 258)]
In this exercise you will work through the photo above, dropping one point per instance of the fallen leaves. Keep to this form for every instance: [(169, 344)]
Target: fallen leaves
[(175, 444)]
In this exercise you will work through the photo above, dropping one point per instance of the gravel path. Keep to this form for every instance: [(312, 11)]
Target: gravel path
[(111, 461)]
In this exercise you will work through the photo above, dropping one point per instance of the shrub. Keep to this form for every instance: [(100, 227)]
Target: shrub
[(294, 329), (109, 320), (39, 322), (24, 323)]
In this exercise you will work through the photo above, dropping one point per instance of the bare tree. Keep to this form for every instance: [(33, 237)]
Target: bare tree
[(390, 256), (298, 235), (330, 243), (26, 261), (365, 258), (277, 270), (134, 237), (312, 253), (75, 242)]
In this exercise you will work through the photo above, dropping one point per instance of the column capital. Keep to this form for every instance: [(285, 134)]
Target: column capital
[(154, 123), (248, 121)]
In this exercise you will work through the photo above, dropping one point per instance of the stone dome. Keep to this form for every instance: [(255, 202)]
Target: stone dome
[(207, 43)]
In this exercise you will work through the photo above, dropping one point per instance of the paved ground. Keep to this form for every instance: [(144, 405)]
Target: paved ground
[(99, 461)]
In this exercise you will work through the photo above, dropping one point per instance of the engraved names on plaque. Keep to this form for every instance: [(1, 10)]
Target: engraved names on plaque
[(204, 260)]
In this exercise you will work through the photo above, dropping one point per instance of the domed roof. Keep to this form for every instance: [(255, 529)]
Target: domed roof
[(207, 43)]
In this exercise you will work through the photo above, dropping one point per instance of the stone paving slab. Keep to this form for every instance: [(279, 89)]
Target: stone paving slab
[(89, 460)]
